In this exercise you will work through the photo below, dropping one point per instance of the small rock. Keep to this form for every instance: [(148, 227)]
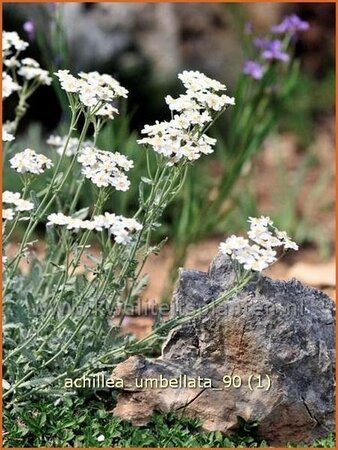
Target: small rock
[(276, 337)]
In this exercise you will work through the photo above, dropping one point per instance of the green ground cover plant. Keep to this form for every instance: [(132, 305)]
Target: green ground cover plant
[(79, 422)]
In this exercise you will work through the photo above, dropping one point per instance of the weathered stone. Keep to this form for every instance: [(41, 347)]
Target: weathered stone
[(164, 36), (281, 330)]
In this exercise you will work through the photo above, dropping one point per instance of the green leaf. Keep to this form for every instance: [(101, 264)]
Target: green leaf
[(5, 385), (141, 193), (81, 214), (34, 199), (37, 382), (147, 180)]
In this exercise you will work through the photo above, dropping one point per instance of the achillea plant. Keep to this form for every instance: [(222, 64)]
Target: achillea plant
[(269, 79), (58, 320)]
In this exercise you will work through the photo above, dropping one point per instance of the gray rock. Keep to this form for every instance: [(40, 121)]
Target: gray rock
[(282, 331), (167, 37)]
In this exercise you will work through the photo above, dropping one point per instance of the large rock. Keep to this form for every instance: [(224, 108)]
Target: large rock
[(283, 332)]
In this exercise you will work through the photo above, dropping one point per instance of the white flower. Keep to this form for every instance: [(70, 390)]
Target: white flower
[(94, 91), (182, 103), (107, 111), (29, 161), (4, 260), (68, 82), (229, 100), (75, 224), (87, 225), (8, 85), (30, 62), (182, 137), (6, 136), (100, 178), (196, 81), (7, 214), (87, 156), (11, 62), (105, 221), (286, 241), (261, 232), (89, 99), (119, 227), (11, 43), (268, 255), (34, 73), (104, 80), (121, 236), (256, 264), (262, 221), (189, 151), (233, 243), (132, 224), (55, 141), (257, 253), (14, 198), (24, 205), (10, 197), (121, 183), (123, 162), (105, 168), (100, 438), (57, 219), (263, 237), (214, 101), (28, 68)]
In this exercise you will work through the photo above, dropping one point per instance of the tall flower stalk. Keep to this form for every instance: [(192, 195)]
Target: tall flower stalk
[(59, 318), (269, 76)]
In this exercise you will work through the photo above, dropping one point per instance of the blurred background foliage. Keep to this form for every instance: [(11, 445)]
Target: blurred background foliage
[(287, 173)]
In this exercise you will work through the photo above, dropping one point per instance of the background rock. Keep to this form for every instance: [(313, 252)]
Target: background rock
[(173, 36), (145, 45), (283, 330)]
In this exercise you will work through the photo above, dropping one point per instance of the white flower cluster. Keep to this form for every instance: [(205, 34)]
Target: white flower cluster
[(29, 161), (118, 226), (27, 68), (20, 205), (31, 70), (59, 143), (11, 43), (8, 85), (8, 214), (105, 168), (93, 90), (14, 198), (257, 252), (6, 135), (182, 137)]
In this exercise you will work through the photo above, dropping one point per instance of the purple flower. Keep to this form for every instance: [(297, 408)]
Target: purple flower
[(29, 27), (274, 50), (290, 24), (254, 69), (261, 42)]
